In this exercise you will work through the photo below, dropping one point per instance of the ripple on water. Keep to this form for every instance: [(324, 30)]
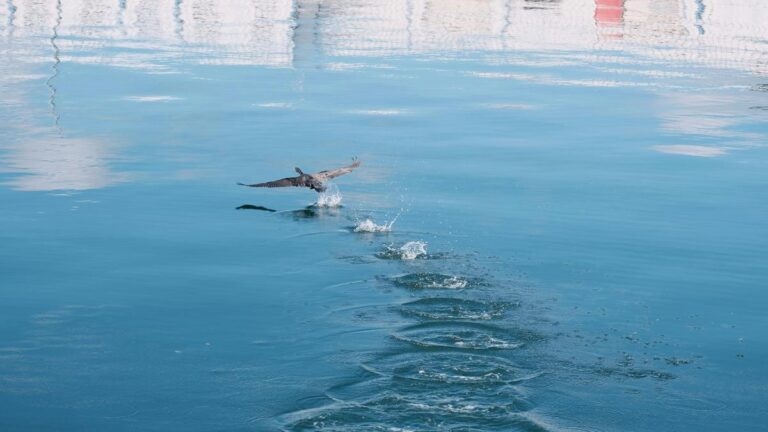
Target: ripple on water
[(500, 410), (465, 336), (446, 308), (636, 373), (450, 368)]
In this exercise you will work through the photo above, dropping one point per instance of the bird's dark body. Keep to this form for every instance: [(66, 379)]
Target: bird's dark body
[(313, 183)]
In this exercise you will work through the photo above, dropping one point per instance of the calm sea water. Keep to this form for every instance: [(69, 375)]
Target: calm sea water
[(582, 186)]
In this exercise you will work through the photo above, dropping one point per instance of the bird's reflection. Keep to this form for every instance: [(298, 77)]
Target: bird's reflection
[(306, 213), (255, 207)]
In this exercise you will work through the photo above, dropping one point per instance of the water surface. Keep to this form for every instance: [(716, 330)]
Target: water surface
[(578, 190)]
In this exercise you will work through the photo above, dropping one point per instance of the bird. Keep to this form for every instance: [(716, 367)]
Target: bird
[(316, 181)]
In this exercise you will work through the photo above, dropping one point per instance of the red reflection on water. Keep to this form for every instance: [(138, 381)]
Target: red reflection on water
[(609, 12)]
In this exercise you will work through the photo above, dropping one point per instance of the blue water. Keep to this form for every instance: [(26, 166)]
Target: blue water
[(587, 179)]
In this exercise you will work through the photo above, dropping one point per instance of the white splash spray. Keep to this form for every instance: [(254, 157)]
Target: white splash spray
[(413, 250), (368, 225), (452, 282), (330, 198)]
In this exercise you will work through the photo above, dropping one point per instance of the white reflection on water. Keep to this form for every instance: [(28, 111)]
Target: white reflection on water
[(691, 150), (55, 163), (722, 33), (380, 112), (708, 114), (152, 98), (630, 43)]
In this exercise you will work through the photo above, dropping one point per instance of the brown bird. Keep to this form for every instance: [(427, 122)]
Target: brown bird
[(316, 181)]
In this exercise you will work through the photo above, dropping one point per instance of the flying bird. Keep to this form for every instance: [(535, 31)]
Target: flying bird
[(316, 181)]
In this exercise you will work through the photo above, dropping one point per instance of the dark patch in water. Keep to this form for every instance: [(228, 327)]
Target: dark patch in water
[(395, 253), (358, 259), (630, 372), (390, 253), (305, 213), (675, 361), (420, 281), (310, 212)]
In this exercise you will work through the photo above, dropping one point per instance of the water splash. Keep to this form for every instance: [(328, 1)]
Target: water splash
[(454, 282), (330, 198), (413, 250), (409, 251), (369, 226)]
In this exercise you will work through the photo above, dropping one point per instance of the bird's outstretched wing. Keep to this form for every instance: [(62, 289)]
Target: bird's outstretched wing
[(286, 182), (329, 174)]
